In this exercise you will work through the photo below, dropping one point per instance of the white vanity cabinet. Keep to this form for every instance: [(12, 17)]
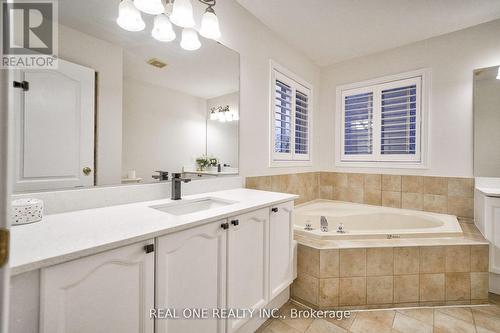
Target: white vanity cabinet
[(241, 262), (191, 273), (280, 248), (108, 292), (248, 262)]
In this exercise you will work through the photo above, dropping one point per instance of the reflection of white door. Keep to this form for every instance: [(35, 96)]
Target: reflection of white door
[(55, 128)]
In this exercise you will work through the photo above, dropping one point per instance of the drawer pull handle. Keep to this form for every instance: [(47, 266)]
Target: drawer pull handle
[(149, 248), (235, 222), (225, 226), (274, 210)]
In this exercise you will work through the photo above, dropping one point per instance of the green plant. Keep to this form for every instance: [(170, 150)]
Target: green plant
[(205, 161)]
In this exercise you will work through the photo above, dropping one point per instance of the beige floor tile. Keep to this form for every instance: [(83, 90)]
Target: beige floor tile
[(492, 310), (299, 323), (461, 313), (405, 324), (425, 315), (373, 321), (489, 322), (345, 323), (323, 326), (277, 326), (447, 324)]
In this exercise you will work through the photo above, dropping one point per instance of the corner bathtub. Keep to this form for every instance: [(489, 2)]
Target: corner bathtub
[(371, 222)]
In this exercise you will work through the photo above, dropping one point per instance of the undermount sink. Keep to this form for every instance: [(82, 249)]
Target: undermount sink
[(184, 207)]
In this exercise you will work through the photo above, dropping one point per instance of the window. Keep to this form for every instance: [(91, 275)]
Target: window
[(291, 116), (382, 121)]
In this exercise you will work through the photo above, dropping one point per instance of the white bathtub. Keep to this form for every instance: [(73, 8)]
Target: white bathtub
[(371, 222)]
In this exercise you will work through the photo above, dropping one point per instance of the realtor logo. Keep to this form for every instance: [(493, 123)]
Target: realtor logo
[(29, 34)]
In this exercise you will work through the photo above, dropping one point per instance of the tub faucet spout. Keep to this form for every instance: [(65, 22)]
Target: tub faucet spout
[(324, 224)]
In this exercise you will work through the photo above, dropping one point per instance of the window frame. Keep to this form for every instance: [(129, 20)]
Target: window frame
[(277, 159), (419, 77)]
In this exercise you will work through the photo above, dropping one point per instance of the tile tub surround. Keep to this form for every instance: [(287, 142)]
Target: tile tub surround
[(391, 276), (449, 195)]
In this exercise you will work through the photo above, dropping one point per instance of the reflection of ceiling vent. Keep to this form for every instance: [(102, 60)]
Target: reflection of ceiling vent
[(157, 63)]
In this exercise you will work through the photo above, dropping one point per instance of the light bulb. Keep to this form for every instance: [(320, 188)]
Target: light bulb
[(221, 116), (236, 116), (153, 7), (182, 14), (210, 25), (190, 39), (129, 18), (498, 74), (162, 29), (228, 115), (213, 115)]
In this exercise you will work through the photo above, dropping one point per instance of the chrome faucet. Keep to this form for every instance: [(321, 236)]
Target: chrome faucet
[(176, 185), (324, 224)]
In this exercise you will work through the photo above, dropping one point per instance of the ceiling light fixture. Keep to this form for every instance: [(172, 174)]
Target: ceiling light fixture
[(152, 7), (210, 24), (223, 114), (162, 30), (129, 18), (178, 12)]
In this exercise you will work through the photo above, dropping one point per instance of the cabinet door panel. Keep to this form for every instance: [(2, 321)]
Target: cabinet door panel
[(280, 248), (191, 273), (108, 292), (248, 258)]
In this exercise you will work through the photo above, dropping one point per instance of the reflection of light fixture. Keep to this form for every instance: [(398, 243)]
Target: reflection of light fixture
[(129, 18), (162, 29), (178, 12), (153, 7), (223, 114), (210, 24), (182, 14), (190, 39), (498, 74)]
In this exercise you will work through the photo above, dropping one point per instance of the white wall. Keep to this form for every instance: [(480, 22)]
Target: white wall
[(222, 138), (107, 60), (256, 44), (163, 129), (452, 59)]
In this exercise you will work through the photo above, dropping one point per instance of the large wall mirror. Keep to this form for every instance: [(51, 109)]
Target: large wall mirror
[(487, 122), (122, 105)]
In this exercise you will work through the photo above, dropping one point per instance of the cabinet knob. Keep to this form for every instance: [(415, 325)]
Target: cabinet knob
[(235, 222), (274, 209), (225, 226), (86, 171), (149, 248)]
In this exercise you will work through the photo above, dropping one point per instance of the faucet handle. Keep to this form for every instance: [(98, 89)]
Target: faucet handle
[(162, 175)]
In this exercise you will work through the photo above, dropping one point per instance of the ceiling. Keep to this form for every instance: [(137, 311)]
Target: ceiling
[(330, 31), (211, 71)]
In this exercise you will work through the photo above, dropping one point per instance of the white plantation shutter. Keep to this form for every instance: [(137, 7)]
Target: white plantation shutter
[(283, 118), (358, 123), (382, 122), (291, 130)]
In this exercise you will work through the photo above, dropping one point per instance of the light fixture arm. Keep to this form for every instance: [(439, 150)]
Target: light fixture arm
[(209, 3)]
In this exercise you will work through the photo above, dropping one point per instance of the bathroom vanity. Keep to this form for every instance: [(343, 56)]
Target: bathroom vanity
[(106, 269)]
